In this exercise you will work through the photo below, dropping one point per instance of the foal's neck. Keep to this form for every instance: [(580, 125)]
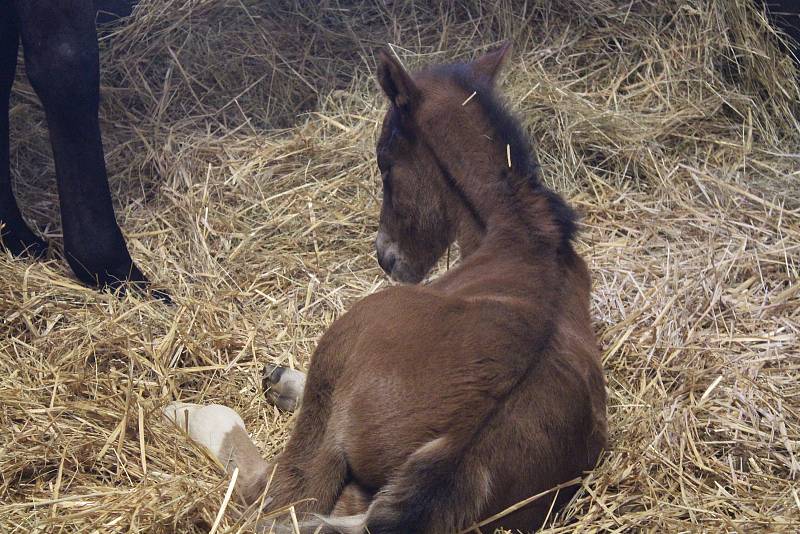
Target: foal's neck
[(494, 180), (511, 211)]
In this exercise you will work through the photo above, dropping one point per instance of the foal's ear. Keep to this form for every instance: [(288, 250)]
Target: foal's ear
[(395, 81), (486, 67)]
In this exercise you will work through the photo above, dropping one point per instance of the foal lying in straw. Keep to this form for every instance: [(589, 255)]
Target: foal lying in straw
[(429, 408)]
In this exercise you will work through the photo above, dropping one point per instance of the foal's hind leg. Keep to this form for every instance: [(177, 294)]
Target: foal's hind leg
[(283, 386), (14, 233)]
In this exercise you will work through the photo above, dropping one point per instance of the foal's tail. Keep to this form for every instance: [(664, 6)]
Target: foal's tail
[(439, 489)]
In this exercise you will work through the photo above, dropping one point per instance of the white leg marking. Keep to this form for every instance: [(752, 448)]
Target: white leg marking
[(207, 425), (344, 524)]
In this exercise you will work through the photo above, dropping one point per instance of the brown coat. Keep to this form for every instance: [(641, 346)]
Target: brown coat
[(428, 408), (442, 404)]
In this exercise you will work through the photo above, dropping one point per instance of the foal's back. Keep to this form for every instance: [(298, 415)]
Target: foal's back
[(472, 382)]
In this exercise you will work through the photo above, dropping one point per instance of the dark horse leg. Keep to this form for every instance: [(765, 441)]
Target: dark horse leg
[(62, 60), (111, 10), (14, 233), (787, 15)]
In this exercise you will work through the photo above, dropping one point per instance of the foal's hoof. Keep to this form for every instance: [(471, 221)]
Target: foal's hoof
[(283, 386)]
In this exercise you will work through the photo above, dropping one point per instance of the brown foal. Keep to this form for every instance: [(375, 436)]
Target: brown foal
[(428, 408)]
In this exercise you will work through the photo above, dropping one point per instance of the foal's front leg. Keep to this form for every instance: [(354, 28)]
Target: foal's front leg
[(222, 432), (309, 474)]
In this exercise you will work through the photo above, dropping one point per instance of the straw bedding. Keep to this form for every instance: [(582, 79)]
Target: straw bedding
[(239, 139)]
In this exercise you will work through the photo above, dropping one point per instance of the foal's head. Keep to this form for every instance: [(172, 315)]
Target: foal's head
[(422, 212)]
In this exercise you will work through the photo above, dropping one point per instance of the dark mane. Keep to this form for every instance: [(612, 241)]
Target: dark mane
[(508, 131)]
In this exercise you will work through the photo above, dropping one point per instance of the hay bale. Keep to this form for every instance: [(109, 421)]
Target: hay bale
[(239, 140)]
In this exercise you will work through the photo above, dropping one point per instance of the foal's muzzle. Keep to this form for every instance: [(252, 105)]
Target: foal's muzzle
[(394, 263), (386, 252), (387, 260)]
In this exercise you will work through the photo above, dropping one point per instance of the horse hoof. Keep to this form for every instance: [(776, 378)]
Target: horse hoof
[(121, 278), (283, 386), (28, 245)]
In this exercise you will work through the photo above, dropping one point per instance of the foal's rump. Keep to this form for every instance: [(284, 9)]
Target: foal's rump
[(523, 446), (544, 434)]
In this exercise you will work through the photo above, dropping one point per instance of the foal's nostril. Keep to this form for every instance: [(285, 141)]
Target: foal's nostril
[(387, 261)]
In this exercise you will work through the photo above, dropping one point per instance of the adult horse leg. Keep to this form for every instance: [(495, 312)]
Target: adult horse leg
[(62, 61), (786, 14), (14, 233)]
